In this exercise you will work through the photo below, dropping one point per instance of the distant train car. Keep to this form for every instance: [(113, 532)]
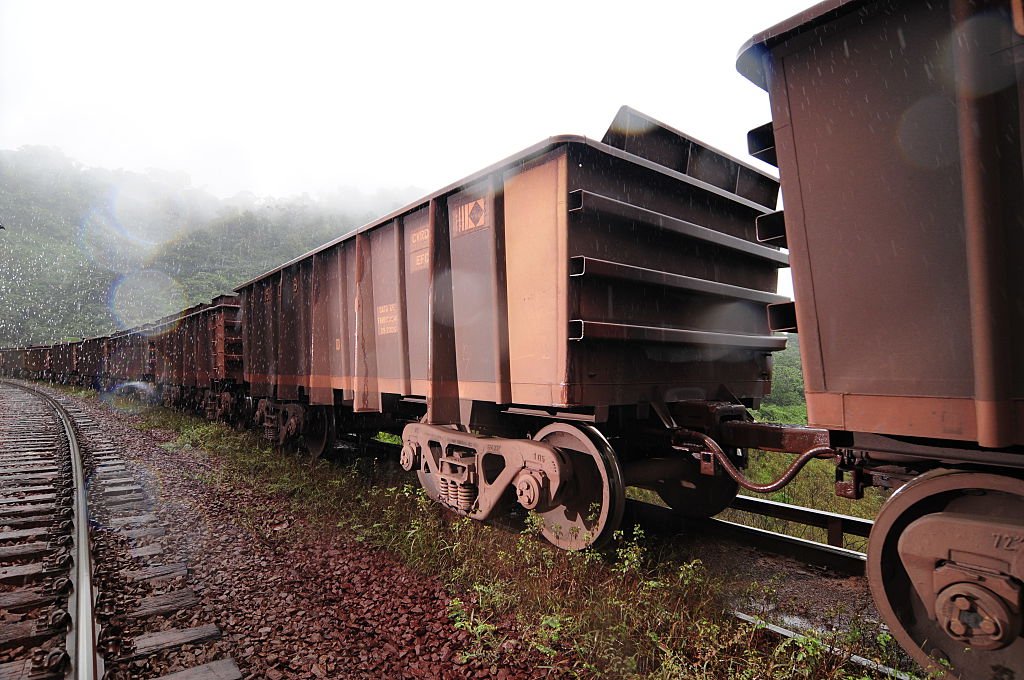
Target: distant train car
[(91, 361), (12, 362), (210, 345), (129, 357), (37, 362), (576, 292), (167, 345), (63, 362)]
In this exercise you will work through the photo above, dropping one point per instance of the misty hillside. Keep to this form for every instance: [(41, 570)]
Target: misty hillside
[(88, 251)]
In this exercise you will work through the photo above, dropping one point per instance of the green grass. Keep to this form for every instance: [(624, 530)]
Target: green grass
[(638, 610), (813, 487)]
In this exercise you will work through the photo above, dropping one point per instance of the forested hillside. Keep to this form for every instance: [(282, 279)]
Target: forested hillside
[(87, 251), (786, 403)]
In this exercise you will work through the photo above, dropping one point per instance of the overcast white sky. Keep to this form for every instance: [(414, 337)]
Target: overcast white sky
[(291, 97)]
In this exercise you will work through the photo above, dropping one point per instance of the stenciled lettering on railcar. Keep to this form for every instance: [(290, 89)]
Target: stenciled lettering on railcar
[(419, 261), (470, 217), (419, 249), (387, 319), (1010, 542)]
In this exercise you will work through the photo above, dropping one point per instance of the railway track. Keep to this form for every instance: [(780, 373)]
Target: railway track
[(47, 596), (83, 590), (661, 520)]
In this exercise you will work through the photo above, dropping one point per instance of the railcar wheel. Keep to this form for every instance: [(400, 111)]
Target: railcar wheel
[(319, 433), (591, 505), (946, 569), (697, 495)]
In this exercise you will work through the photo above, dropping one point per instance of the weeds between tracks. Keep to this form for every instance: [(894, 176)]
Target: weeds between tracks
[(638, 610)]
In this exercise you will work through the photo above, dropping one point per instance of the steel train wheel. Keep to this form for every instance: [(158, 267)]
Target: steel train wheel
[(595, 498), (697, 495), (974, 622), (319, 433)]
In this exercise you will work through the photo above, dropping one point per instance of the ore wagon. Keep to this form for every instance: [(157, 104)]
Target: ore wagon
[(524, 318), (210, 340), (37, 361), (896, 127), (167, 342), (129, 356), (12, 361), (91, 361), (63, 362)]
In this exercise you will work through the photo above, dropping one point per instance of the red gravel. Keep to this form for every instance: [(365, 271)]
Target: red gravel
[(293, 602)]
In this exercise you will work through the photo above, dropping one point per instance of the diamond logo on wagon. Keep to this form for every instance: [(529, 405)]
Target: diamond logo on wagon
[(469, 217), (476, 214)]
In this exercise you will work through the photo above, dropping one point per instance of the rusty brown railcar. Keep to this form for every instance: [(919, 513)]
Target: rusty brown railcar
[(37, 361), (63, 362), (91, 361), (167, 339), (12, 362), (896, 127), (573, 292), (209, 340), (129, 357)]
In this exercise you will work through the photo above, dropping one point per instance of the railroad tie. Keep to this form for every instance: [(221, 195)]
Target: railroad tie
[(151, 643), (166, 603), (225, 669)]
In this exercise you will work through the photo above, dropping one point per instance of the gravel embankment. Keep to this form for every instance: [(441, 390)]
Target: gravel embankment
[(293, 602)]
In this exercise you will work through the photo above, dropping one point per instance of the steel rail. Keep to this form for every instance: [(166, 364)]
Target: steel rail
[(662, 520), (81, 639), (861, 661)]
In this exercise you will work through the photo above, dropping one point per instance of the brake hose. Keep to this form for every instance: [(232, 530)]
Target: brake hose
[(730, 469)]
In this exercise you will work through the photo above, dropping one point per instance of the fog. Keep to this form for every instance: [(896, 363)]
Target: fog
[(155, 154), (281, 99)]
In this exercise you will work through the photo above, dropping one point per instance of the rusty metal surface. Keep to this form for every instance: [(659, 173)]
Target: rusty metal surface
[(63, 360), (469, 298), (129, 356), (772, 436), (904, 223), (37, 359), (944, 569), (648, 138), (209, 341), (92, 358), (12, 361)]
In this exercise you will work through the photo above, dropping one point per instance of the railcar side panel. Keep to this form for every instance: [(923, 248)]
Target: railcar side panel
[(536, 205), (259, 337), (906, 221), (366, 395), (476, 228), (417, 240), (390, 331), (576, 275), (62, 361), (294, 334)]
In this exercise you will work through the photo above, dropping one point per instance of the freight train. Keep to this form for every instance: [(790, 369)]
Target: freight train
[(586, 316)]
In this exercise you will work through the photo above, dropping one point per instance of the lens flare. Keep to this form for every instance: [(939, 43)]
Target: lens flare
[(143, 296), (986, 34), (927, 133)]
